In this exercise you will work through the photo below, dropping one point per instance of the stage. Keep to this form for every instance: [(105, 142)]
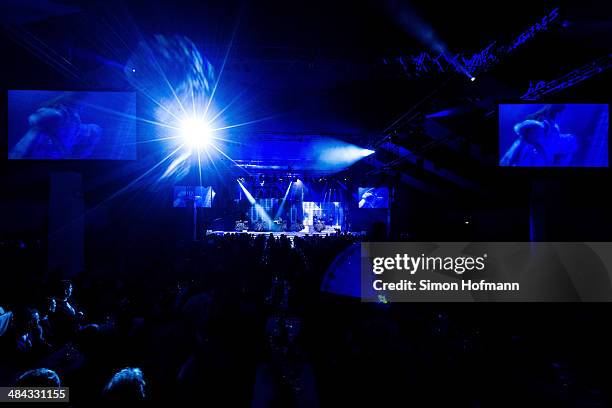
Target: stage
[(277, 234)]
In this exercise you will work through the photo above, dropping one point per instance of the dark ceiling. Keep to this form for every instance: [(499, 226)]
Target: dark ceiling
[(319, 66)]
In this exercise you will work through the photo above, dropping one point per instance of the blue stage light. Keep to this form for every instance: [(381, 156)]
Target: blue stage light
[(366, 152), (196, 132), (282, 204), (342, 155), (261, 212), (472, 79)]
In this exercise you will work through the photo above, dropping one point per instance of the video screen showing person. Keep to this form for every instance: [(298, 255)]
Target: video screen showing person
[(184, 196), (373, 197), (59, 125), (553, 135)]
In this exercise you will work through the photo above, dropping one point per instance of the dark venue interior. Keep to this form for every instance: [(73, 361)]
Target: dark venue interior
[(182, 180)]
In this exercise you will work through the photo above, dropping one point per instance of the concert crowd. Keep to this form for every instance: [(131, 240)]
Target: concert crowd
[(240, 320)]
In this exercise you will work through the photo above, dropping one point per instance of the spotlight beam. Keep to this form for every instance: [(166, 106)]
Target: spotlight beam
[(258, 208), (165, 78), (246, 123), (229, 48), (230, 159), (199, 167), (234, 99), (132, 117), (136, 180), (280, 208)]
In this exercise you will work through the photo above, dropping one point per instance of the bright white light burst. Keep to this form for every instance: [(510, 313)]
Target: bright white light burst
[(196, 132)]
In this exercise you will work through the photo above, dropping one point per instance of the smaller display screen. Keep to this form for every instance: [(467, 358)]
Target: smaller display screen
[(373, 197)]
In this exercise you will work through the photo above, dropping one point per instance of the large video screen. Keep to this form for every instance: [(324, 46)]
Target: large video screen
[(553, 135), (373, 197), (187, 196), (58, 125)]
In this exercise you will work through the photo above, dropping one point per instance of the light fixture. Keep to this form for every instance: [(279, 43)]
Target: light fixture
[(196, 132)]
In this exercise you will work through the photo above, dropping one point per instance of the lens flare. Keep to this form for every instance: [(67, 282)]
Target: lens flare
[(196, 132)]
